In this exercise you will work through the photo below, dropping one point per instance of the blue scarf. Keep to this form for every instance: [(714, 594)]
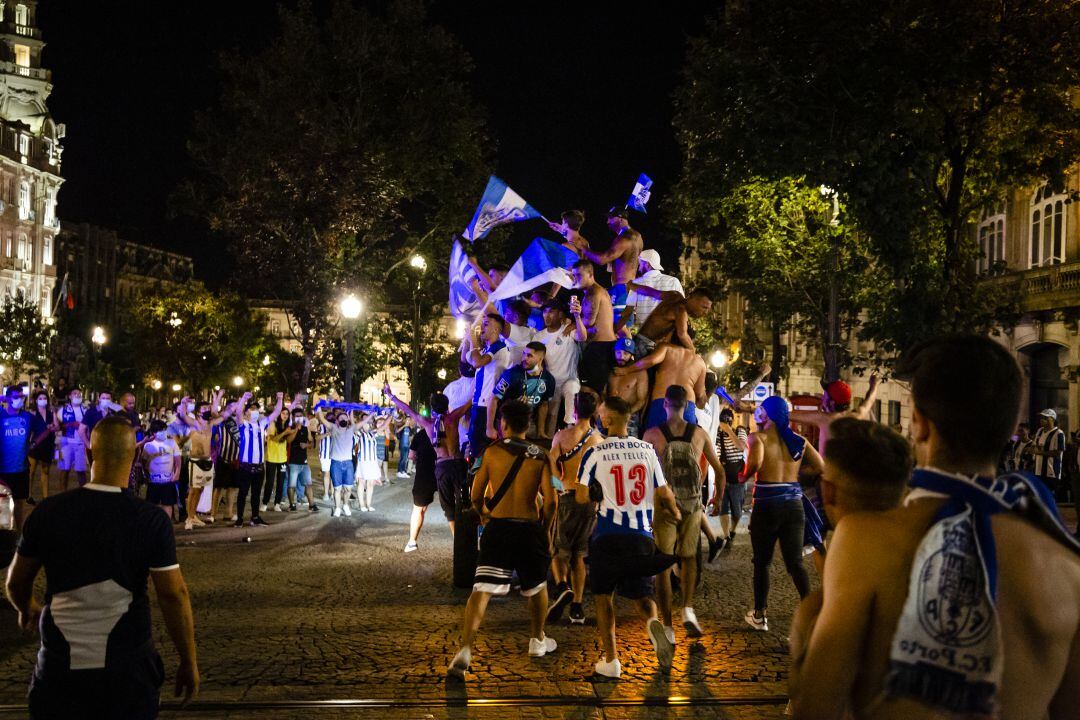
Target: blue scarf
[(777, 410), (947, 648)]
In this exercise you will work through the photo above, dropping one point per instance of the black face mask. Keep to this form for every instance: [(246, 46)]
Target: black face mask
[(343, 424), (206, 416)]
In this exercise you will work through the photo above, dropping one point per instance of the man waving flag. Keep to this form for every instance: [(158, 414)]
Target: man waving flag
[(498, 206), (640, 194)]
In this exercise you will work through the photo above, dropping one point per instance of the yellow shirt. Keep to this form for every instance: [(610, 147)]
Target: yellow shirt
[(276, 452)]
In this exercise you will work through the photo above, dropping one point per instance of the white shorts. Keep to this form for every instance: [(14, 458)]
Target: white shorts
[(72, 456), (200, 478), (324, 463), (369, 470)]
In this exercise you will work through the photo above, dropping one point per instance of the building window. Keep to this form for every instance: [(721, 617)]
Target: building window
[(1048, 227), (275, 328), (22, 15), (2, 11), (46, 251), (50, 207), (46, 304), (24, 200), (992, 237), (894, 412), (21, 247), (22, 56), (24, 144)]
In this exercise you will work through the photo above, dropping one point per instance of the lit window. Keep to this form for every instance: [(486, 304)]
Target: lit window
[(24, 144), (46, 304), (2, 11), (22, 15), (46, 251), (275, 327), (22, 56), (24, 200), (1048, 226), (991, 237), (21, 247)]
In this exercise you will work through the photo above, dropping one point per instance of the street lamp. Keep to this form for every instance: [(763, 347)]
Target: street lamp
[(175, 321), (98, 337), (418, 263), (176, 387), (350, 307), (441, 374), (718, 359), (266, 360), (238, 381), (156, 384)]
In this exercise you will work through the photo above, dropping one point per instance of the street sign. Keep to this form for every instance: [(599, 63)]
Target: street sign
[(762, 391)]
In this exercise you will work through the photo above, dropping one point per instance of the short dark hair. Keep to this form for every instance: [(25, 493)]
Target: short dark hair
[(440, 404), (584, 263), (498, 318), (617, 405), (157, 426), (106, 391), (537, 346), (556, 304), (704, 292), (1024, 426), (521, 307), (574, 219), (199, 404), (711, 382), (727, 415), (515, 414), (969, 387), (585, 404), (675, 394), (877, 458)]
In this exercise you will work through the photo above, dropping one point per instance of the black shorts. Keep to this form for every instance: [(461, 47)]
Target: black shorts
[(165, 493), (597, 360), (423, 488), (452, 481), (129, 691), (18, 483), (625, 563), (574, 526), (509, 546), (224, 475)]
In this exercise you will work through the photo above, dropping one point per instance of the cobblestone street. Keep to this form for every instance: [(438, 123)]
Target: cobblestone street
[(316, 608)]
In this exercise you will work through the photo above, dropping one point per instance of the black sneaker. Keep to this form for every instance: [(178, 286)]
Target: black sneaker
[(239, 522), (292, 508), (313, 508), (715, 546), (577, 614), (255, 521), (563, 596)]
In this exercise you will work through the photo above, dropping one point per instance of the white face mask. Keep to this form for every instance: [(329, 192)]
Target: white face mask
[(43, 402), (76, 401), (254, 416), (760, 416), (17, 403), (104, 404)]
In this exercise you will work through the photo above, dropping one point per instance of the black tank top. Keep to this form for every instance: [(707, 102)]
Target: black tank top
[(425, 454)]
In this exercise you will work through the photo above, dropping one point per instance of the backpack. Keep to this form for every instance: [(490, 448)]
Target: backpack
[(681, 468)]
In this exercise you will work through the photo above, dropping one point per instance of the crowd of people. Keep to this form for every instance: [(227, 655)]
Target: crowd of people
[(588, 445)]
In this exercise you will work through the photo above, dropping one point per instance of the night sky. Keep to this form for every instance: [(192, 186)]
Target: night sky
[(578, 97)]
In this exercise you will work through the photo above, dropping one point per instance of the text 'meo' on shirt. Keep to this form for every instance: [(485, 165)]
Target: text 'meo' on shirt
[(96, 608), (490, 373), (629, 472), (15, 443), (533, 389)]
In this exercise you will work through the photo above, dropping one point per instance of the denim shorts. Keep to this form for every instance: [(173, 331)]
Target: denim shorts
[(341, 473)]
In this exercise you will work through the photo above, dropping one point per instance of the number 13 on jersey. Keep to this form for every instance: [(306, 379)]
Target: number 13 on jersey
[(637, 477)]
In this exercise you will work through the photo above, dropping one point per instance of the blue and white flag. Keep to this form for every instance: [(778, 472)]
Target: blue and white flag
[(498, 206), (640, 194), (463, 301), (542, 262)]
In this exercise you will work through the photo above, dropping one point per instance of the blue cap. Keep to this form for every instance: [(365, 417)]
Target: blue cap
[(625, 344)]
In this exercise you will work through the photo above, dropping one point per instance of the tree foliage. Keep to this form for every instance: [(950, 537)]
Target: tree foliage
[(346, 144), (918, 112), (25, 338)]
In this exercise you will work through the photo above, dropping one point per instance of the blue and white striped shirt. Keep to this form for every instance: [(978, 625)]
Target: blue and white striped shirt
[(253, 441), (366, 447), (324, 444)]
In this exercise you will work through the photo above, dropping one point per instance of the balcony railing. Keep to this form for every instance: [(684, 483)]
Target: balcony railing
[(1045, 288), (29, 31), (24, 71)]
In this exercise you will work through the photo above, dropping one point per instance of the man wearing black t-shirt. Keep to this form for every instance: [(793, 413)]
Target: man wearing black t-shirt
[(527, 381), (97, 656)]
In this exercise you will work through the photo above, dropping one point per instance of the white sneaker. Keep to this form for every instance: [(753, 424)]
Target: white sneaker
[(758, 623), (188, 525), (194, 520), (234, 518), (460, 663), (411, 547), (611, 669), (277, 507), (336, 513), (669, 633), (540, 648), (347, 511), (262, 507), (326, 498), (690, 622), (665, 649), (209, 520), (369, 509)]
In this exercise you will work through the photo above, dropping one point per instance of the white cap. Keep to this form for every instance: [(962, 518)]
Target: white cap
[(1049, 413), (652, 258)]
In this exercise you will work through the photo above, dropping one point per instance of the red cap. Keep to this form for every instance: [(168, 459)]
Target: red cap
[(839, 391)]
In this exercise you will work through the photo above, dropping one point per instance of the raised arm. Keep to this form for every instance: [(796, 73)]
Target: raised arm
[(426, 423), (682, 328), (651, 360), (581, 332), (277, 408), (867, 405), (618, 247)]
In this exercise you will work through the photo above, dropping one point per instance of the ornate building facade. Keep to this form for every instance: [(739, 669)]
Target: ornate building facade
[(30, 153)]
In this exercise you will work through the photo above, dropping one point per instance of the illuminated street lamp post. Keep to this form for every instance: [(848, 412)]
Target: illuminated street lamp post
[(418, 263), (97, 337), (350, 308)]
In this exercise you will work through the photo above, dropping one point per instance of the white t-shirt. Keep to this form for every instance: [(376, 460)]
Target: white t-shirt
[(459, 393), (708, 419), (629, 472), (160, 456), (489, 374), (644, 305), (561, 357), (519, 337)]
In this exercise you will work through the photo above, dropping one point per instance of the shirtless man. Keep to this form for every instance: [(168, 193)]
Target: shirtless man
[(670, 321), (835, 404), (201, 465), (679, 537), (966, 397), (622, 255), (577, 514), (570, 229), (515, 537), (451, 473), (677, 366), (593, 325), (775, 455), (632, 387)]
